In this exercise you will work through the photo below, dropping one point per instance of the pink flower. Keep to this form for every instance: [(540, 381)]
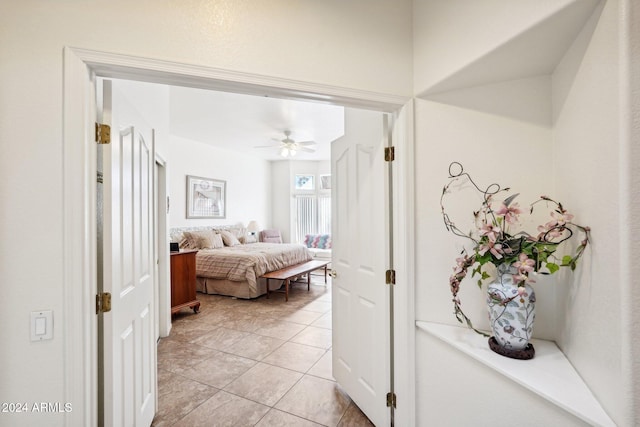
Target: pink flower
[(522, 278), (493, 247), (551, 229), (561, 218), (510, 213), (524, 264), (489, 230)]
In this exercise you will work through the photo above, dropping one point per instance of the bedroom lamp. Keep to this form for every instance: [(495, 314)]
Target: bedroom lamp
[(253, 227)]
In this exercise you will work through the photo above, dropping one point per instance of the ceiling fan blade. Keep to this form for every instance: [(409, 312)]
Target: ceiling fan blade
[(306, 149), (306, 143)]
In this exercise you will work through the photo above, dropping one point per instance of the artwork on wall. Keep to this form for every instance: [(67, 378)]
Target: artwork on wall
[(325, 182), (305, 182), (206, 197)]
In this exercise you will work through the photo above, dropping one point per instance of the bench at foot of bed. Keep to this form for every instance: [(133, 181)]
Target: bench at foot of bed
[(290, 272)]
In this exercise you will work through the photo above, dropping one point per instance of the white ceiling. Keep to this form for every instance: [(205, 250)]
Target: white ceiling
[(243, 122)]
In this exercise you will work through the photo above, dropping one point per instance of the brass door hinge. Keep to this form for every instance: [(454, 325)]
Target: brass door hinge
[(103, 303), (389, 154), (390, 277), (103, 133), (391, 400)]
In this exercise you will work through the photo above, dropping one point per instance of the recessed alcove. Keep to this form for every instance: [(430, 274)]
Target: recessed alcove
[(538, 90)]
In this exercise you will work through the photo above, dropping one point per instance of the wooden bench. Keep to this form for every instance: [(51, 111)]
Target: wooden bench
[(290, 272)]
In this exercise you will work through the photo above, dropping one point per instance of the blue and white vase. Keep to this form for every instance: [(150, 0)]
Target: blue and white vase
[(512, 310)]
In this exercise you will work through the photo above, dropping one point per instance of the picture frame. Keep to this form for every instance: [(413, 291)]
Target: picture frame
[(206, 197), (325, 182), (305, 182)]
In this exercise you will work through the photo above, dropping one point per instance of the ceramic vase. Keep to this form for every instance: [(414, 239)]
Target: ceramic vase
[(512, 310)]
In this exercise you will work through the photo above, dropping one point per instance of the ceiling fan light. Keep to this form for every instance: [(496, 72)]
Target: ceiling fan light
[(284, 152)]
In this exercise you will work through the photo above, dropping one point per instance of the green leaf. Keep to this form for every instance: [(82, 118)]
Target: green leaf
[(552, 267), (475, 271), (485, 275), (566, 260)]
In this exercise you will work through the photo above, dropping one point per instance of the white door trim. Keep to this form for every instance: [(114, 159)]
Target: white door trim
[(79, 172), (163, 307)]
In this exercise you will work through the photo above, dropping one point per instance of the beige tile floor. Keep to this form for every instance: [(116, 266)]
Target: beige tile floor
[(262, 362)]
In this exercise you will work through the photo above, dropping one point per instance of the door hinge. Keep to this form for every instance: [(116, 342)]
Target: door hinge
[(103, 303), (390, 277), (389, 154), (391, 400), (103, 133), (100, 178)]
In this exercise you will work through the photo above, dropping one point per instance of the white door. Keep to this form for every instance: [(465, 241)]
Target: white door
[(129, 344), (359, 258)]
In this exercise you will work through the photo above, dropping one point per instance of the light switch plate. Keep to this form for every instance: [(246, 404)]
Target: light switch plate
[(41, 325)]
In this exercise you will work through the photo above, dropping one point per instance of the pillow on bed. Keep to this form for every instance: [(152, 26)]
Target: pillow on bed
[(240, 233), (229, 238), (204, 239), (214, 242)]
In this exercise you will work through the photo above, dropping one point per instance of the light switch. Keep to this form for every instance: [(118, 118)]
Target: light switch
[(41, 325)]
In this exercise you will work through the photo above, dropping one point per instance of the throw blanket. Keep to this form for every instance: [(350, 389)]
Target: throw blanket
[(248, 262)]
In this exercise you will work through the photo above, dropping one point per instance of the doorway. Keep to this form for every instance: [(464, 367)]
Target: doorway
[(80, 66)]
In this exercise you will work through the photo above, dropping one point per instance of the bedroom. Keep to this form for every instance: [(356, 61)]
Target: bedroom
[(200, 159)]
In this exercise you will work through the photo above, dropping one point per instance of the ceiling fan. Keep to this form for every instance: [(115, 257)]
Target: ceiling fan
[(288, 147)]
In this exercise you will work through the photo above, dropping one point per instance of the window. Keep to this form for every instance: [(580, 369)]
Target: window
[(313, 215)]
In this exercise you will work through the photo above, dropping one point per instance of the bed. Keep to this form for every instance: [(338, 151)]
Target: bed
[(229, 262)]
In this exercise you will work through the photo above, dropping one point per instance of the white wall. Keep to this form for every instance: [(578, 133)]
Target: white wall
[(248, 181), (587, 156), (330, 42), (576, 153), (281, 214)]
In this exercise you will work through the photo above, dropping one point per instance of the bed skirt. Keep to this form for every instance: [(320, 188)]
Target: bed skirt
[(226, 287)]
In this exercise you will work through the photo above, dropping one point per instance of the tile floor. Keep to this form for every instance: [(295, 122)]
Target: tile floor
[(262, 362)]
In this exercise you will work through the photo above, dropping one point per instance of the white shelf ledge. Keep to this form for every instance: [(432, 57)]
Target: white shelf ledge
[(549, 374)]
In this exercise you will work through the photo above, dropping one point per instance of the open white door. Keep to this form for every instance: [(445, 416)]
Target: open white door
[(361, 240), (129, 344)]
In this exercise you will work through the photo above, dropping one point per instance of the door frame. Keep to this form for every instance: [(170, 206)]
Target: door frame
[(162, 288), (80, 68)]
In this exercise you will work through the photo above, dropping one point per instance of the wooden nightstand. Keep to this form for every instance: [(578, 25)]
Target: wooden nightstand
[(183, 281)]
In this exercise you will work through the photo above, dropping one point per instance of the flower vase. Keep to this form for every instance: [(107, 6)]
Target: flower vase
[(512, 312)]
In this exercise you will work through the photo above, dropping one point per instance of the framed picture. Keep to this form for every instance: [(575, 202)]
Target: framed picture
[(305, 182), (325, 182), (206, 197)]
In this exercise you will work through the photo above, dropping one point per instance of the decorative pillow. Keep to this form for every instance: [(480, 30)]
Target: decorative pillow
[(319, 241), (217, 242), (270, 236), (204, 239), (229, 238)]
